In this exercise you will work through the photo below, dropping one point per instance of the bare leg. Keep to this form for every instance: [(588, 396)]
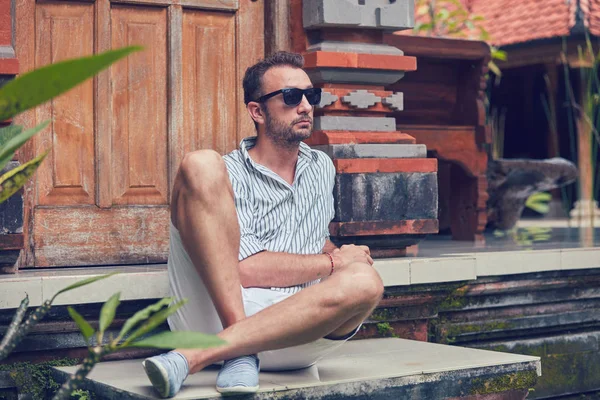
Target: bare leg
[(204, 213), (203, 210), (332, 308)]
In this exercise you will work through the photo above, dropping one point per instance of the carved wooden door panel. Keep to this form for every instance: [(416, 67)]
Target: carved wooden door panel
[(102, 195)]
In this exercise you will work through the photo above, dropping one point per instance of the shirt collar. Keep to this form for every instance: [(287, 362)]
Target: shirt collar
[(305, 154), (305, 158)]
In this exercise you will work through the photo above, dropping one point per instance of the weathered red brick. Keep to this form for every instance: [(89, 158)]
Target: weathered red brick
[(364, 165), (9, 66), (345, 137), (367, 228), (381, 61)]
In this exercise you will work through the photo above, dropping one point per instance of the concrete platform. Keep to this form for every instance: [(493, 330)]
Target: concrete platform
[(366, 369)]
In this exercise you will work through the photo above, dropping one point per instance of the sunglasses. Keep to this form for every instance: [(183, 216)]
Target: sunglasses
[(293, 96)]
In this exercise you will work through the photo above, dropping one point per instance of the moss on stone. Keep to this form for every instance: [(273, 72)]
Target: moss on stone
[(381, 314), (566, 367), (504, 383), (36, 379), (385, 329), (456, 330), (81, 394), (456, 299)]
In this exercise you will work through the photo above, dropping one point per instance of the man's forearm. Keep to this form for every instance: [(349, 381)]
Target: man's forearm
[(329, 246), (271, 269)]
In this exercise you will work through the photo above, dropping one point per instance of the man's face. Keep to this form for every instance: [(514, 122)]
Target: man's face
[(286, 125)]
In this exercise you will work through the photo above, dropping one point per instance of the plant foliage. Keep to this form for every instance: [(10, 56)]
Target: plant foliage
[(141, 324), (450, 18)]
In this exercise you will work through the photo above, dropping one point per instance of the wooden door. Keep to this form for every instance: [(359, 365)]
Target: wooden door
[(102, 196)]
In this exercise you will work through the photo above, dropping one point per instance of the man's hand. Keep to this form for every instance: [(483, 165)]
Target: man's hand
[(349, 254)]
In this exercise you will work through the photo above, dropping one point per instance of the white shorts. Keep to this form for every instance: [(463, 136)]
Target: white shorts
[(199, 313), (302, 356)]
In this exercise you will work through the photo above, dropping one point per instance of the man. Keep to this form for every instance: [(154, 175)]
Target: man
[(250, 246)]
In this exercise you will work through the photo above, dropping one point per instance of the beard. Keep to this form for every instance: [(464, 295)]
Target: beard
[(286, 135)]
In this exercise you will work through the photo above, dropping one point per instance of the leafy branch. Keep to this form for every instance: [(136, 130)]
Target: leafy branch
[(140, 324)]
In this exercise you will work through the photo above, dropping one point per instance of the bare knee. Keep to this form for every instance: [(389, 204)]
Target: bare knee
[(359, 287), (203, 172), (371, 286)]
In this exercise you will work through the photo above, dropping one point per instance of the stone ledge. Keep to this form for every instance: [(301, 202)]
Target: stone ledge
[(134, 283), (379, 368), (151, 281)]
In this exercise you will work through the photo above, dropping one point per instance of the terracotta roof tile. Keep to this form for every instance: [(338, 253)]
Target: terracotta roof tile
[(518, 21)]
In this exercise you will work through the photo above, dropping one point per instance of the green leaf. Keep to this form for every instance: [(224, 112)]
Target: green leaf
[(154, 321), (180, 340), (107, 313), (539, 207), (143, 315), (483, 34), (8, 132), (457, 4), (540, 196), (86, 329), (83, 282), (539, 202), (7, 151), (499, 54), (428, 27), (498, 233), (14, 179), (443, 14), (494, 68), (40, 85)]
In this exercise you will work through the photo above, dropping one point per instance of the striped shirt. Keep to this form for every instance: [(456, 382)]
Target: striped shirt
[(276, 216)]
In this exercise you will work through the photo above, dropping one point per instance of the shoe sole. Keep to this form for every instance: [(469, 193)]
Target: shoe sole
[(158, 377), (237, 390)]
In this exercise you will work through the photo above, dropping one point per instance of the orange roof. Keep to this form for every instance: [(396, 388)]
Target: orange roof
[(519, 21)]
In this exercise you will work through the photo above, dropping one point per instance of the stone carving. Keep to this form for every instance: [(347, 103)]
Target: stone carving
[(361, 99), (511, 182), (327, 99), (373, 14), (395, 101)]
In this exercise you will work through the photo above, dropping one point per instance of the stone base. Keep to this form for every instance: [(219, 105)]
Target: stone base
[(362, 369), (553, 315), (383, 246), (585, 209)]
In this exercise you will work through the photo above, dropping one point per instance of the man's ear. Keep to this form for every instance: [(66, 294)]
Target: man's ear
[(256, 112)]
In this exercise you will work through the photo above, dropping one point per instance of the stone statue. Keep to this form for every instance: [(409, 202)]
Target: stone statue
[(511, 182)]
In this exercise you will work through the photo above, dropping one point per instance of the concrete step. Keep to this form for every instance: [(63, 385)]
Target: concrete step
[(362, 369)]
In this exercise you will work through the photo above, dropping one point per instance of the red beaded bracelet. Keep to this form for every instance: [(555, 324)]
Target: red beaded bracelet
[(330, 259)]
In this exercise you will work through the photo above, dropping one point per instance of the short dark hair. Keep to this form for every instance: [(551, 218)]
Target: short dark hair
[(254, 74)]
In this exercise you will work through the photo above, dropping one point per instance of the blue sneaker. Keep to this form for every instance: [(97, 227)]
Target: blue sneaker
[(239, 375), (167, 372)]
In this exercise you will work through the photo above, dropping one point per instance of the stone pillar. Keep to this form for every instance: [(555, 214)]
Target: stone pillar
[(386, 189)]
